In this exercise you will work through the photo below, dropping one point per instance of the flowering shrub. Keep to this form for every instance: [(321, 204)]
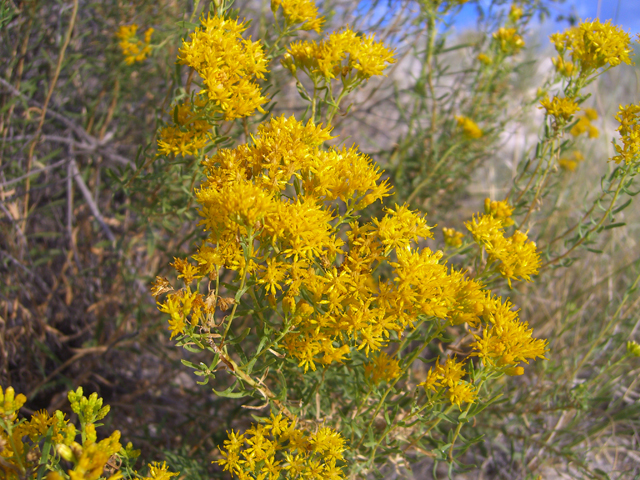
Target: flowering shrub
[(314, 291)]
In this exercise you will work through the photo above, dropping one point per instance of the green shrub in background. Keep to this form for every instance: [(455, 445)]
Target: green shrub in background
[(319, 315)]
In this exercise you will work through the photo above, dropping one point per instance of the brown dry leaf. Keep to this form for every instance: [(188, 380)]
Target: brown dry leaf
[(160, 285), (225, 302)]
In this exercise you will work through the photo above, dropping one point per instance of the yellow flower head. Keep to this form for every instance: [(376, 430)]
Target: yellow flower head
[(133, 49), (10, 403), (281, 448), (563, 67), (633, 348), (158, 471), (452, 238), (629, 119), (345, 54), (506, 341), (401, 226), (382, 368), (190, 134), (299, 11), (594, 45), (571, 163), (500, 210), (517, 255), (515, 13), (228, 64), (561, 108), (469, 128), (485, 59), (509, 41)]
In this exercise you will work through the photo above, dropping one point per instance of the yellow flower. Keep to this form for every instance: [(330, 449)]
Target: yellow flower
[(515, 13), (364, 56), (633, 349), (629, 119), (571, 163), (509, 41), (561, 108), (299, 11), (159, 471), (265, 451), (469, 127), (228, 65), (133, 49), (449, 376), (452, 238), (358, 178), (563, 67), (10, 403), (190, 134), (593, 45), (383, 368), (401, 226), (484, 59), (517, 256), (506, 341), (500, 210)]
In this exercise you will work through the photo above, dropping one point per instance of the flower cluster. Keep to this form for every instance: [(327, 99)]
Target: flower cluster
[(452, 238), (21, 442), (591, 46), (280, 446), (561, 108), (505, 341), (469, 128), (584, 125), (229, 66), (343, 54), (189, 132), (509, 41), (302, 12), (517, 255), (382, 368), (448, 377), (571, 162), (629, 119), (133, 49)]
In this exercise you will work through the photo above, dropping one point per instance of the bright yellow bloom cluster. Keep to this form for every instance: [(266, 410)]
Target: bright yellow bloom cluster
[(515, 13), (469, 128), (10, 403), (159, 471), (189, 132), (571, 163), (591, 45), (382, 368), (89, 459), (449, 377), (133, 49), (633, 348), (584, 124), (517, 255), (268, 210), (506, 341), (561, 108), (279, 447), (629, 119), (343, 54), (299, 11), (228, 65), (500, 210), (452, 238), (509, 41)]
